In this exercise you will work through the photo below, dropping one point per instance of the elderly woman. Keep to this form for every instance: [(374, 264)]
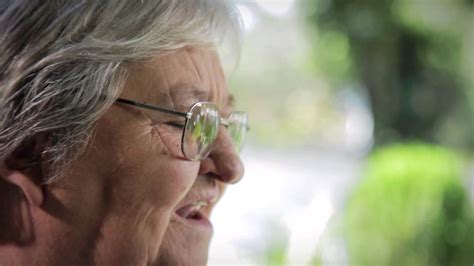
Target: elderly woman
[(117, 134)]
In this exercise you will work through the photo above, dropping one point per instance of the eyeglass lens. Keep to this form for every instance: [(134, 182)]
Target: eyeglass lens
[(202, 128), (238, 128)]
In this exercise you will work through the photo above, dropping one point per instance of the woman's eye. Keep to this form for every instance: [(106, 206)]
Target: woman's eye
[(175, 124)]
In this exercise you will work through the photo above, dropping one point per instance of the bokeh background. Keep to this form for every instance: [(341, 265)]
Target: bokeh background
[(362, 135)]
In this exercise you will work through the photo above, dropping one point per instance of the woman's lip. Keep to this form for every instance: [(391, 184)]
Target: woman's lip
[(199, 221), (203, 195), (189, 210)]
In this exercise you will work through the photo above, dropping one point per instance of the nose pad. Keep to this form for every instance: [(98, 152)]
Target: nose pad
[(223, 162)]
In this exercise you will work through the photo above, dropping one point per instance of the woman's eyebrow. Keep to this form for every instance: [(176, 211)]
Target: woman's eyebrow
[(185, 91)]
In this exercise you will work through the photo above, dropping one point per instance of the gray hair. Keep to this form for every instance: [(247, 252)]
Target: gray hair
[(59, 58)]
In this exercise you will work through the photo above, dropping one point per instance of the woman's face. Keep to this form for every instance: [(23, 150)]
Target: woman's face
[(145, 202)]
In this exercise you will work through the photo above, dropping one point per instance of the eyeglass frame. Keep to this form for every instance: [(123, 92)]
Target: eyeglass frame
[(187, 115)]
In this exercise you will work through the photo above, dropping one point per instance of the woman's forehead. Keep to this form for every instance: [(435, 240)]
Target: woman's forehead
[(181, 77)]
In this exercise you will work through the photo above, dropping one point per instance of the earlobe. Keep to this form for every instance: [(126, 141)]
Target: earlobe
[(32, 191)]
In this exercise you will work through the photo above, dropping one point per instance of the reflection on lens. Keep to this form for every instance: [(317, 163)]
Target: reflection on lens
[(238, 129), (200, 131)]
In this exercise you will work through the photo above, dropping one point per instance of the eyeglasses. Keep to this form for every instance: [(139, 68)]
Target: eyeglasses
[(202, 126)]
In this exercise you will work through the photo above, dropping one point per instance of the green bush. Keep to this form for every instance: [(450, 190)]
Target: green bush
[(411, 208)]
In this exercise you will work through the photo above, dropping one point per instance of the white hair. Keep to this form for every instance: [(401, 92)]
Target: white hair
[(59, 58)]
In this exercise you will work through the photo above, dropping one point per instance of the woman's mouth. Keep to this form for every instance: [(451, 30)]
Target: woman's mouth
[(193, 215), (190, 211)]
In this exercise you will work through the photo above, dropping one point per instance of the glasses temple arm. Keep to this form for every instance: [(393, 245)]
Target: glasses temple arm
[(152, 107)]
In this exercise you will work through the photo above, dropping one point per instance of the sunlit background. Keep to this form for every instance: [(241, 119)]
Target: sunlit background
[(362, 135)]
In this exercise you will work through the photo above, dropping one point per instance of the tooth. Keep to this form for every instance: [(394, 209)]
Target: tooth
[(201, 204)]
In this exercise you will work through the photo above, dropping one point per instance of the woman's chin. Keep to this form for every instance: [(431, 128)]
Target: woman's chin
[(186, 242)]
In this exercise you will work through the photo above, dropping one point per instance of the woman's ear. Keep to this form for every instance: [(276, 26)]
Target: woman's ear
[(23, 168), (30, 189)]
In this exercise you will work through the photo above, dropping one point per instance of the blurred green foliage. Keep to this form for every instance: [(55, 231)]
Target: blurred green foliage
[(276, 244), (411, 208), (414, 58)]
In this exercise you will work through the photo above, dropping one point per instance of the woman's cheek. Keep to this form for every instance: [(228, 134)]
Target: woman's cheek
[(183, 174), (171, 139), (176, 174)]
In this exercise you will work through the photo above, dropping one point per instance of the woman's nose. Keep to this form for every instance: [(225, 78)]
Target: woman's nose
[(223, 163)]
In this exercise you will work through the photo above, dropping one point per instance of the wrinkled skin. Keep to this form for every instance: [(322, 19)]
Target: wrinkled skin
[(118, 204)]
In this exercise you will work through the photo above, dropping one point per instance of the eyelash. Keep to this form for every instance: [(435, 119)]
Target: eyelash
[(175, 125)]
